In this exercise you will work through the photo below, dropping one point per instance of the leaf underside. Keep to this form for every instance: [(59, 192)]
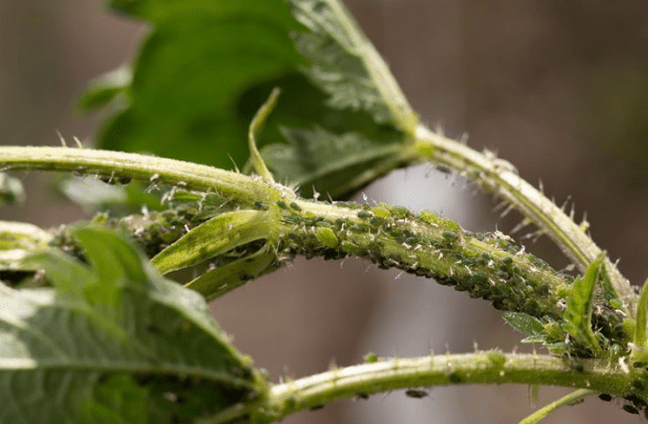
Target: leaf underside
[(113, 343)]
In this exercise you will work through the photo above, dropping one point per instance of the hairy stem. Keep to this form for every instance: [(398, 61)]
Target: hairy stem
[(492, 367), (501, 178), (142, 167), (570, 399)]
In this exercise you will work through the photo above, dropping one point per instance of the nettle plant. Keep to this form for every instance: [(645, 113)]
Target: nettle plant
[(92, 332)]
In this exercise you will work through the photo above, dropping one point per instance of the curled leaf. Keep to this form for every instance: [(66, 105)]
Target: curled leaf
[(578, 315)]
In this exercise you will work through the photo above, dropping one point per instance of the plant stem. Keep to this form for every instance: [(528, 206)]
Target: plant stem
[(500, 177), (245, 189), (566, 400), (493, 367)]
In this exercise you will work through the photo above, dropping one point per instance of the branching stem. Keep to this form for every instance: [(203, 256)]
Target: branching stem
[(501, 178)]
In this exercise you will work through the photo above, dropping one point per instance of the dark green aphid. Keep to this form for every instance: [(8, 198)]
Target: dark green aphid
[(454, 378), (605, 397), (508, 260), (290, 402), (362, 395), (449, 235), (578, 367), (364, 214), (295, 206), (411, 240), (630, 409), (260, 206), (282, 204), (316, 407), (417, 394), (375, 220)]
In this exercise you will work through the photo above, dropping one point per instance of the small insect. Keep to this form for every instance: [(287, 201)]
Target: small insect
[(370, 358), (362, 395), (605, 397), (449, 235), (417, 394), (327, 237)]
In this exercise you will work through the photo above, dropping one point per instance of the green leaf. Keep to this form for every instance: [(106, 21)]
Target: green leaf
[(103, 90), (11, 189), (114, 342), (207, 66), (93, 194), (345, 64), (524, 323), (214, 237), (640, 348), (578, 314), (336, 164), (202, 55), (219, 281)]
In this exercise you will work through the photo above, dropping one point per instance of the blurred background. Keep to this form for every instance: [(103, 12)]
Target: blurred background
[(560, 89)]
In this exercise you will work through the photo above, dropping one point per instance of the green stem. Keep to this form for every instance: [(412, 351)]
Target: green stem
[(569, 399), (501, 178), (141, 167), (492, 367), (484, 265)]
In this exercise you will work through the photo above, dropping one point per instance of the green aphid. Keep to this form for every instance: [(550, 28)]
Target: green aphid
[(282, 204), (357, 229), (295, 206), (449, 235), (364, 214), (327, 237), (380, 212), (370, 358), (350, 247), (416, 394), (411, 240), (260, 206)]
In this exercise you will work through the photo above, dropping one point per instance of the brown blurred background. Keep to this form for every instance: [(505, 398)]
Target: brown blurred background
[(558, 88)]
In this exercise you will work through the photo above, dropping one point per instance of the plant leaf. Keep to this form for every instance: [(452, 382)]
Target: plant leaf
[(202, 55), (113, 343), (578, 314), (337, 164), (345, 64), (103, 90), (207, 66), (219, 281), (524, 323), (640, 348), (218, 235)]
